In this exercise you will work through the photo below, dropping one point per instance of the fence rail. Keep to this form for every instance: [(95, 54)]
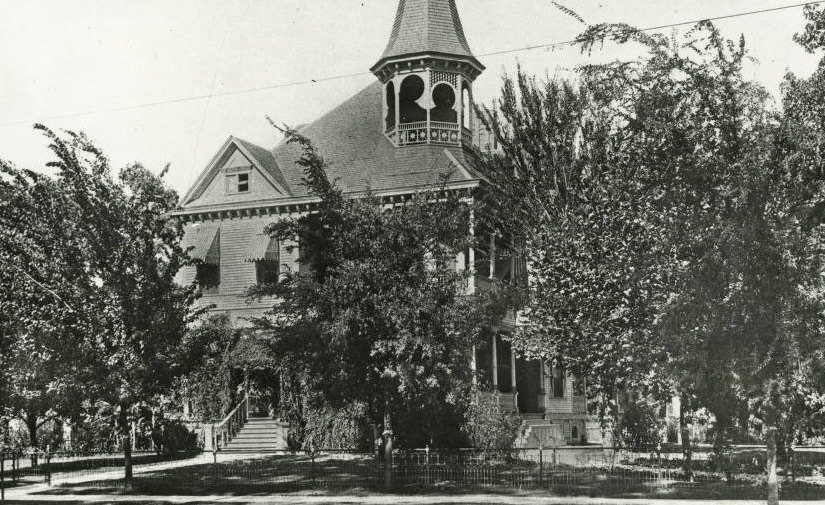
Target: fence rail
[(570, 470)]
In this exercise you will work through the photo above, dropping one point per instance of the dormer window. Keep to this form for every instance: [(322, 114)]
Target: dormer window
[(237, 180)]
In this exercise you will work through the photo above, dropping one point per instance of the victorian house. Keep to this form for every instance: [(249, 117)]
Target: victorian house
[(412, 129)]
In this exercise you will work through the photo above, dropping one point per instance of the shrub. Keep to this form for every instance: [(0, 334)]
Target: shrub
[(171, 436), (639, 426), (487, 426), (327, 427)]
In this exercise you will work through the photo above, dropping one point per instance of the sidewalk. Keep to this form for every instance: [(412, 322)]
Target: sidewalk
[(30, 494)]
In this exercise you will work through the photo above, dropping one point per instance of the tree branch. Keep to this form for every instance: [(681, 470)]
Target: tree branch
[(40, 284)]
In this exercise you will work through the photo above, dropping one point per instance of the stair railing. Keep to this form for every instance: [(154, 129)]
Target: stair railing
[(224, 431)]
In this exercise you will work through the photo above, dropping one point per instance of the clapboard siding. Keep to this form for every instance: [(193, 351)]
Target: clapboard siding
[(558, 405), (237, 274)]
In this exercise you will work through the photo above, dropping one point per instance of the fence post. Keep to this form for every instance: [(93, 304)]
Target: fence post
[(427, 466), (541, 466), (15, 466), (2, 477), (312, 463), (46, 470)]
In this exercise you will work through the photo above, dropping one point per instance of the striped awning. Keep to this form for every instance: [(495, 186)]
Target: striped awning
[(204, 243), (263, 248)]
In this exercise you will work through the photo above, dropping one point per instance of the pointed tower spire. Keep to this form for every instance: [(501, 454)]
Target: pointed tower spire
[(427, 71), (427, 27)]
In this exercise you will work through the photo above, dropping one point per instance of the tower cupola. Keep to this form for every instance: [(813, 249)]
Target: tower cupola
[(427, 71)]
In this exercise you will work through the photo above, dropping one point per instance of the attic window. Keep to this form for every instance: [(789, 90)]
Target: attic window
[(237, 181)]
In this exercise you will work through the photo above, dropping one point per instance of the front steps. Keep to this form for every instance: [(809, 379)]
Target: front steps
[(260, 434)]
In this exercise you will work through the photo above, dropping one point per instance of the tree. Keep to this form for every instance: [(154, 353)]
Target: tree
[(378, 313), (44, 317), (669, 228), (124, 310)]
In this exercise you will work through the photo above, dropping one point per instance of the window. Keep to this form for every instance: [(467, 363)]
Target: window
[(267, 272), (208, 277), (558, 381), (243, 183), (237, 180)]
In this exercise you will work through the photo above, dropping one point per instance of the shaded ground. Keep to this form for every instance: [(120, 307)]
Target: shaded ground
[(297, 474)]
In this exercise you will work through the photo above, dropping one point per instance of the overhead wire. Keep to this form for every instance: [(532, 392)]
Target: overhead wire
[(209, 96)]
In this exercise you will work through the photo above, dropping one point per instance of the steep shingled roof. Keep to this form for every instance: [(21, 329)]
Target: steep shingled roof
[(427, 26), (360, 157)]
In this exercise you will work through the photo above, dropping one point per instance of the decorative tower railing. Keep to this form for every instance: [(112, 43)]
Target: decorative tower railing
[(430, 132)]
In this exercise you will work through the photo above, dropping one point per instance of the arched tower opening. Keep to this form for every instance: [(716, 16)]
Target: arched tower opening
[(466, 106), (444, 101), (389, 119), (412, 89)]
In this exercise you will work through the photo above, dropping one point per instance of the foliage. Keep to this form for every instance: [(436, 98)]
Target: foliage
[(639, 426), (590, 233), (376, 318), (327, 427), (171, 436), (210, 387), (813, 37), (91, 261), (677, 226), (487, 426)]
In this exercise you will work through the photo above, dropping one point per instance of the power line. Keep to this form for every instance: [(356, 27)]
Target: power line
[(661, 27), (358, 74)]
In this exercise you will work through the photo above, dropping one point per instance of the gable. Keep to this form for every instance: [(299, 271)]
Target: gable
[(236, 175)]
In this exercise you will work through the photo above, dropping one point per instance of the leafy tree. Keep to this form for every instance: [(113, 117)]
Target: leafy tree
[(44, 318), (115, 295), (563, 183), (380, 313), (674, 247)]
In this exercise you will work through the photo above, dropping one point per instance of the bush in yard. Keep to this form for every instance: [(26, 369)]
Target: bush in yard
[(639, 426), (328, 427), (171, 436), (487, 426)]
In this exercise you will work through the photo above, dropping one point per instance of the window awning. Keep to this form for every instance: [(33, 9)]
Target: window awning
[(263, 248), (205, 244)]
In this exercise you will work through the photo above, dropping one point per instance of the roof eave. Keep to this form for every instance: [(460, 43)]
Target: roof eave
[(387, 60)]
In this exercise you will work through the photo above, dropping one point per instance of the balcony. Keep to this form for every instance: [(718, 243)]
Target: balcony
[(430, 132)]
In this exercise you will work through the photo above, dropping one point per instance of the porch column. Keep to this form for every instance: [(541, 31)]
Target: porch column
[(492, 256), (471, 258), (542, 393), (513, 377), (473, 365), (495, 364)]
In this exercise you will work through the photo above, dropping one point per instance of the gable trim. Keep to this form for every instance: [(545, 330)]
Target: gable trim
[(212, 168)]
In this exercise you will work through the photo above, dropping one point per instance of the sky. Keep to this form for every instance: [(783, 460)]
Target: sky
[(166, 82)]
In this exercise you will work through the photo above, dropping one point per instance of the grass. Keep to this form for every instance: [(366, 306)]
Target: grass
[(360, 476)]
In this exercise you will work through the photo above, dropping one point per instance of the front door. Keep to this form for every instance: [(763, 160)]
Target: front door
[(527, 385)]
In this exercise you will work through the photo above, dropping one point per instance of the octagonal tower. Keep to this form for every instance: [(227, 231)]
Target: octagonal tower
[(427, 72)]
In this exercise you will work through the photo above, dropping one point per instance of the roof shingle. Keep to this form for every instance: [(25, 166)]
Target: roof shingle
[(360, 157), (423, 26)]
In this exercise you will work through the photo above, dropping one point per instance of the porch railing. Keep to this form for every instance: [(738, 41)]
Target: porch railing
[(226, 430)]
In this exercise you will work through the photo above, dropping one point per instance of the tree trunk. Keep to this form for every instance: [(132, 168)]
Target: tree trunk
[(126, 440), (31, 425), (387, 447), (687, 450), (770, 467)]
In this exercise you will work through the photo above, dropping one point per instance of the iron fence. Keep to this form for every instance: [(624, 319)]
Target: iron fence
[(589, 470)]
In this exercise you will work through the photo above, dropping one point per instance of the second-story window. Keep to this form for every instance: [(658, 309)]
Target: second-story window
[(264, 251), (267, 272), (209, 277)]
